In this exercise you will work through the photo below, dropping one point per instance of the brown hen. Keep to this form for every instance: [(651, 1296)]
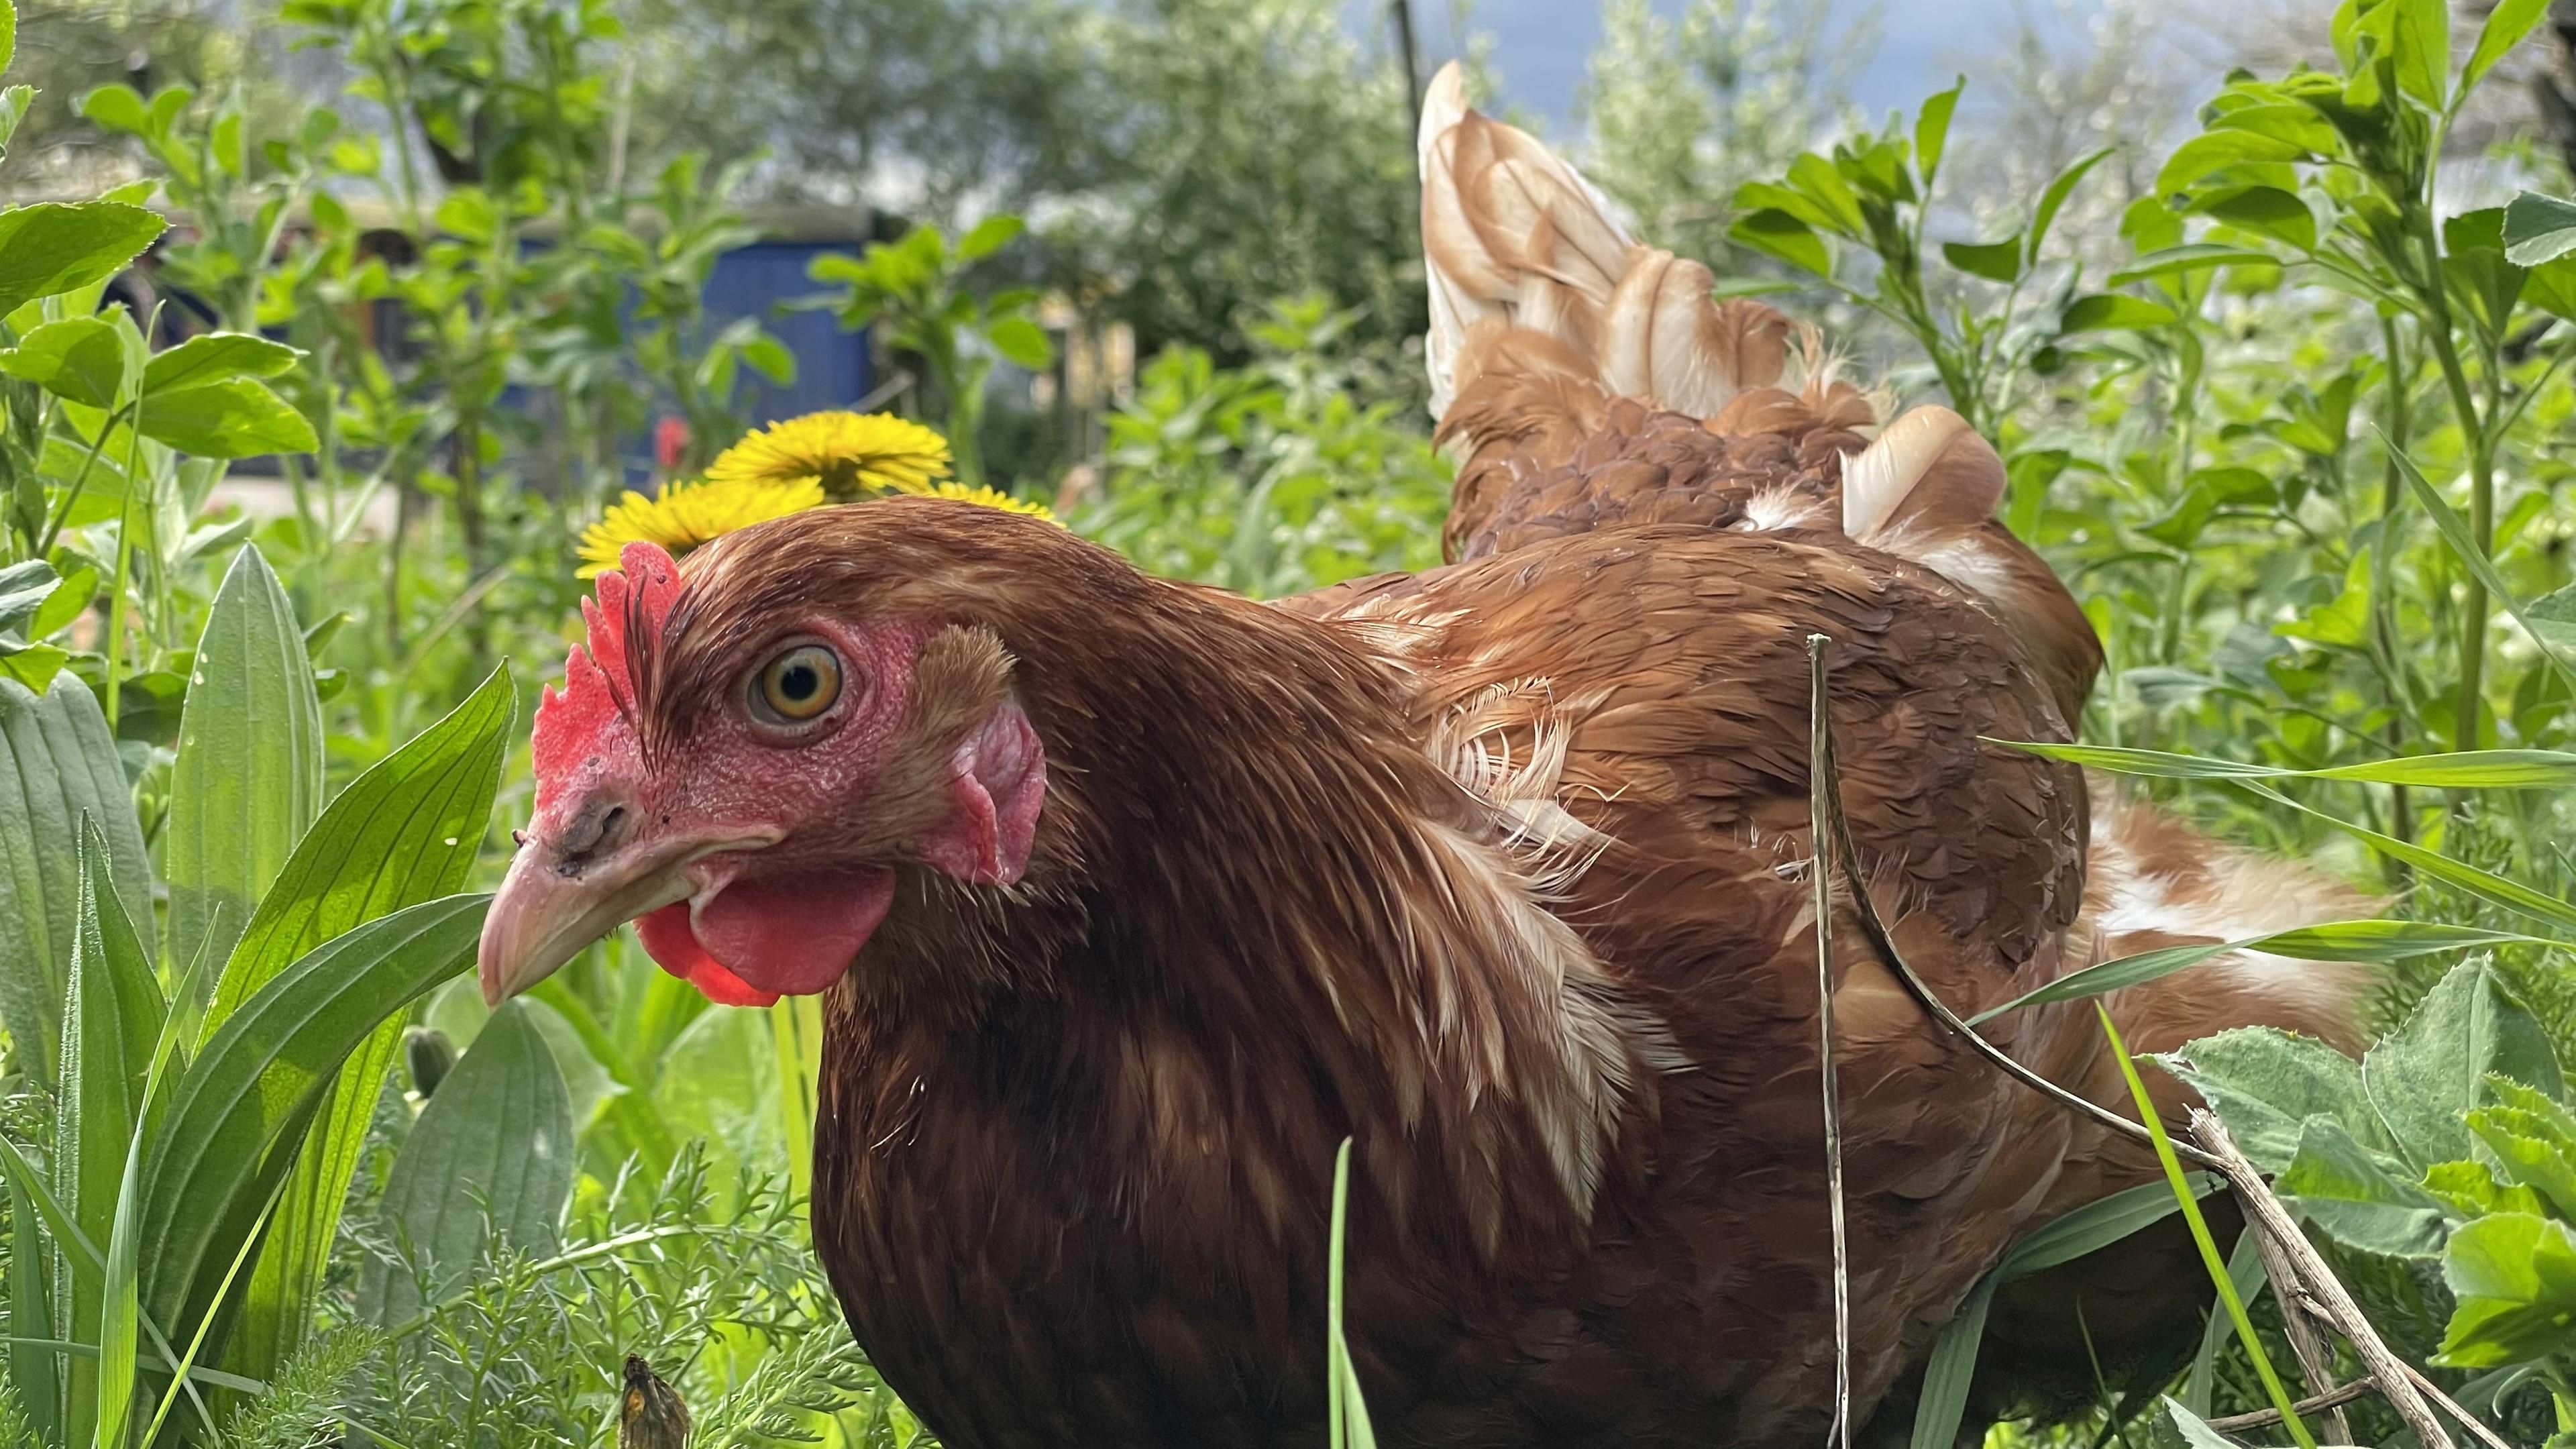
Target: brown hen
[(1132, 900)]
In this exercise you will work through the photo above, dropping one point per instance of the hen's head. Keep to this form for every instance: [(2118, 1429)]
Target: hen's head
[(749, 748)]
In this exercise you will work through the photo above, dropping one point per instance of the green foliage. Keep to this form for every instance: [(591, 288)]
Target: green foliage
[(914, 287), (490, 1160), (2448, 1144), (1273, 478), (1874, 193)]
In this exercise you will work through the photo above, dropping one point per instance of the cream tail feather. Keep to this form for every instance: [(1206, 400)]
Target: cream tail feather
[(1515, 241)]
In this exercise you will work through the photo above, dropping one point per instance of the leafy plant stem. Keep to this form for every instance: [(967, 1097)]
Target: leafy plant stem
[(2464, 407)]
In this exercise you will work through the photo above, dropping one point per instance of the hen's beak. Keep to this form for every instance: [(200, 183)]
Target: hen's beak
[(556, 899)]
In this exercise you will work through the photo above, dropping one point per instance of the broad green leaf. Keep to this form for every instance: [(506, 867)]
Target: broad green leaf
[(1021, 342), (2052, 200), (717, 1084), (1825, 184), (2533, 1138), (1782, 237), (2424, 1077), (2514, 1276), (248, 779), (217, 357), (252, 1092), (492, 1153), (402, 833), (1995, 261), (2363, 940), (24, 588), (2538, 228), (989, 236), (2266, 211), (236, 419), (2422, 50), (2266, 1084), (2472, 1190), (80, 358), (118, 107), (2552, 618), (56, 246), (2211, 152), (8, 34), (2189, 1429), (2193, 257), (2111, 309), (57, 765), (2339, 1185), (2504, 29), (1932, 130), (112, 1012)]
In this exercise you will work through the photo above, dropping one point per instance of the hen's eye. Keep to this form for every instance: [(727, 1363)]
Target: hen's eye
[(799, 684)]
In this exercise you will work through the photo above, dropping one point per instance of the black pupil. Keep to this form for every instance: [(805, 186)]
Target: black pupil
[(799, 682)]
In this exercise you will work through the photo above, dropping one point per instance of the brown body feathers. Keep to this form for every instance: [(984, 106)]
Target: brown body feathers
[(1501, 872)]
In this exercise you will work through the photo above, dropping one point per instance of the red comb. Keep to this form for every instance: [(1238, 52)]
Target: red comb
[(599, 682)]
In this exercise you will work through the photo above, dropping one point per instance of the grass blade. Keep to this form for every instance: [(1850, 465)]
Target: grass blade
[(1345, 1408), (2209, 1256), (2455, 770), (2364, 940)]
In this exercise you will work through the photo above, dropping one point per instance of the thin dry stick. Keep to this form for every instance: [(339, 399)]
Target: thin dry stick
[(2316, 1356), (1820, 785), (2310, 1278), (2471, 1422), (1847, 859), (2265, 1418)]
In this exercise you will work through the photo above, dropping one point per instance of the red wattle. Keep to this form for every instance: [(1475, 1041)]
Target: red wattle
[(669, 941), (749, 942)]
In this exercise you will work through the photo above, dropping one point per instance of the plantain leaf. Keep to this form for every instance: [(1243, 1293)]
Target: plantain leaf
[(57, 765), (112, 1016), (248, 1099), (248, 779), (404, 832), (490, 1158)]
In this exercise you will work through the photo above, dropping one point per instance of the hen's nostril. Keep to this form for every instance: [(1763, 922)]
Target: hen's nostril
[(589, 834)]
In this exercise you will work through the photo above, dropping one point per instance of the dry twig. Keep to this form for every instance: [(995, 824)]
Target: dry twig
[(2310, 1284)]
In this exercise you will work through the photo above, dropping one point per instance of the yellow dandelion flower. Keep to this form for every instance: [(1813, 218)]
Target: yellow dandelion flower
[(689, 514), (992, 498), (855, 455)]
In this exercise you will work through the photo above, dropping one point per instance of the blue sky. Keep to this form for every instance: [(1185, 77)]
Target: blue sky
[(1540, 46)]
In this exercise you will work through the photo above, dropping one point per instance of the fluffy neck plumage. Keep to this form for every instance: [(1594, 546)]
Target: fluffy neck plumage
[(1252, 870)]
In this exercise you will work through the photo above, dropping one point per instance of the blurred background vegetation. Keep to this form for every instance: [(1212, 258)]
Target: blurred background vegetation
[(1154, 263)]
